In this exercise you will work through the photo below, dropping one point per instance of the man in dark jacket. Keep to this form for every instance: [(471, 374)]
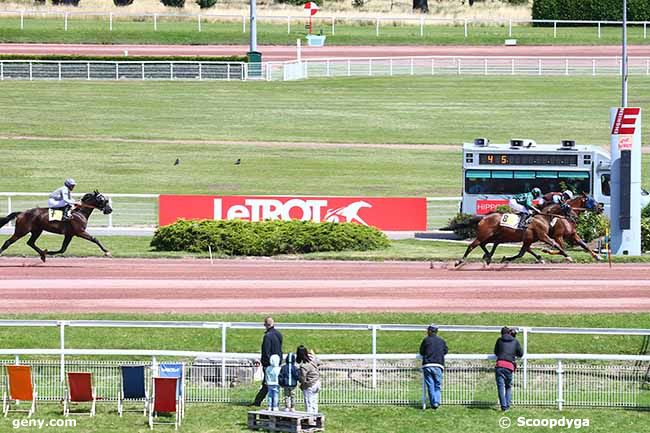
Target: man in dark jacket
[(271, 345), (433, 350), (507, 348)]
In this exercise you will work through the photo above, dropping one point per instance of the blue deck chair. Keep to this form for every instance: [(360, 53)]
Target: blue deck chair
[(175, 370), (133, 388)]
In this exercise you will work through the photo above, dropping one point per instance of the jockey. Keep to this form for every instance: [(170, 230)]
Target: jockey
[(62, 199), (553, 198), (523, 204)]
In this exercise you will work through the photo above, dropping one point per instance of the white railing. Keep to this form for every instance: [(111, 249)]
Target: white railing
[(121, 70), (141, 210), (328, 23), (453, 65)]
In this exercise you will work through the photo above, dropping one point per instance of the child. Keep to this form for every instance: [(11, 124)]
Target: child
[(288, 379), (309, 378), (271, 375)]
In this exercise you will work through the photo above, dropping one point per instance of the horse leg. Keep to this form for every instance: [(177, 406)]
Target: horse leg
[(585, 247), (475, 243), (32, 243), (87, 236), (64, 246), (560, 242), (547, 240), (525, 247), (17, 235), (537, 256)]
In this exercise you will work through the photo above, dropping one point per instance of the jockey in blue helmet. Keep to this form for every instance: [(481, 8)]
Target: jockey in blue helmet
[(61, 198)]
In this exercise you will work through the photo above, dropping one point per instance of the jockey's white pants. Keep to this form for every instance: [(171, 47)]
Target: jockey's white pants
[(517, 208)]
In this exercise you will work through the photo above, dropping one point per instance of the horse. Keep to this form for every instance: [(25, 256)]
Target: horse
[(37, 220), (489, 230), (566, 228)]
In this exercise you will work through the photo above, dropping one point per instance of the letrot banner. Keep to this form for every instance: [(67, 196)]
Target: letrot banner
[(390, 214)]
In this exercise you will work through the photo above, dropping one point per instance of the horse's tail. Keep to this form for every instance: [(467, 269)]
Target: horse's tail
[(8, 218), (464, 224)]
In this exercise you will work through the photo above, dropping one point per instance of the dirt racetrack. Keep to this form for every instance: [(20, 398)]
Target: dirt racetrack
[(142, 285)]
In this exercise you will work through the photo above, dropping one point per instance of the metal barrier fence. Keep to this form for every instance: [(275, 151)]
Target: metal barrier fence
[(110, 20), (122, 70), (395, 381), (453, 65), (141, 210)]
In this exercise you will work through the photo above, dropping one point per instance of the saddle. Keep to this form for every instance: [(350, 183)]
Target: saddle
[(55, 214), (515, 221)]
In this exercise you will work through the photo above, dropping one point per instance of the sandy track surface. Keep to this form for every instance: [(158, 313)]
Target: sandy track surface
[(140, 285), (279, 53)]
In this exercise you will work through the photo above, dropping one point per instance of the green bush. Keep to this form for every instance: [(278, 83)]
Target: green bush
[(592, 226), (645, 212), (504, 208), (173, 3), (463, 225), (598, 10), (645, 234), (268, 238), (204, 4)]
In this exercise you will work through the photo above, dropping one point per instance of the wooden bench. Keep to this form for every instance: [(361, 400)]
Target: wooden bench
[(285, 421)]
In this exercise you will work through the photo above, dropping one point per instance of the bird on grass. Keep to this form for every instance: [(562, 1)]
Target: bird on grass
[(178, 161), (238, 161)]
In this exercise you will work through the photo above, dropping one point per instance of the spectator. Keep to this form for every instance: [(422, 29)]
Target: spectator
[(271, 379), (309, 378), (507, 348), (433, 350), (289, 376), (271, 345)]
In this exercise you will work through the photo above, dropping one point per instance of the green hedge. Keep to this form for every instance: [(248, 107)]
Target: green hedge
[(590, 10), (268, 238), (592, 226)]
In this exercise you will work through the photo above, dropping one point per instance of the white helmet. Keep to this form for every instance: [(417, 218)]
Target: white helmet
[(568, 194), (70, 182)]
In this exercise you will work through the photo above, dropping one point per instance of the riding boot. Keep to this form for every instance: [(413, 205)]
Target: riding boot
[(523, 221), (67, 215)]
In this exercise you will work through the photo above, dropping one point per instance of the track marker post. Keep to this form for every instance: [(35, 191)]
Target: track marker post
[(210, 251)]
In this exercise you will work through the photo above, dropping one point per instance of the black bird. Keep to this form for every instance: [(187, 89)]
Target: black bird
[(178, 161), (238, 161)]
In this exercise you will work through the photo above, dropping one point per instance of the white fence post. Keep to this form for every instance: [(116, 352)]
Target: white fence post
[(598, 29), (22, 20), (433, 66), (566, 66), (377, 27), (327, 67), (288, 24), (465, 27), (512, 66), (333, 26), (349, 68), (155, 22), (171, 71), (525, 357), (243, 23), (560, 385), (117, 71), (412, 68), (593, 67), (142, 70), (30, 71), (198, 19), (539, 66), (65, 21), (374, 355), (59, 71), (421, 26), (110, 22), (457, 66), (62, 346), (555, 29), (2, 70), (510, 27), (8, 197), (390, 67), (200, 71), (645, 28), (485, 66), (224, 327), (370, 67)]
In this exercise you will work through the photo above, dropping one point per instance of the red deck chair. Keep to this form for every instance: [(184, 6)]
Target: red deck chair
[(20, 387), (80, 390), (164, 399)]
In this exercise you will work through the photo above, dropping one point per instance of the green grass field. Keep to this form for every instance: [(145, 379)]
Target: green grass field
[(175, 31)]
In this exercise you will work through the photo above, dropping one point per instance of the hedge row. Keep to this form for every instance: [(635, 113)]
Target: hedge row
[(65, 58), (268, 238), (590, 10)]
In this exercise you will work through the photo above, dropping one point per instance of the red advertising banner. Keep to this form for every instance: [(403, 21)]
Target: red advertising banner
[(484, 207), (391, 214)]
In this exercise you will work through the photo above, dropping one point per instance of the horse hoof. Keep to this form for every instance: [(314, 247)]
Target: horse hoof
[(569, 259), (43, 258), (541, 261), (108, 254), (458, 263), (503, 260), (598, 258)]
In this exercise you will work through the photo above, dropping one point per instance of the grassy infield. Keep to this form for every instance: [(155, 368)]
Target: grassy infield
[(421, 110)]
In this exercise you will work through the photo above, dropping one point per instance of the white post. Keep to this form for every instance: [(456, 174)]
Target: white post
[(412, 71), (288, 24), (243, 23), (510, 27), (349, 69), (142, 70), (198, 19), (377, 27), (171, 71), (421, 25), (228, 72), (485, 66), (117, 71), (327, 66), (298, 50), (65, 21), (155, 22), (525, 357), (9, 204), (598, 29), (566, 67), (62, 346), (333, 26), (2, 71), (374, 355), (88, 70), (59, 71), (465, 27), (560, 385), (200, 71), (539, 67), (370, 67), (593, 67), (22, 20), (110, 215), (30, 71), (555, 29), (645, 28), (390, 69), (433, 66), (224, 327), (110, 22), (17, 359), (458, 66), (512, 65)]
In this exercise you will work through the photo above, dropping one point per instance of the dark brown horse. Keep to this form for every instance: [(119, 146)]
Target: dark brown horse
[(37, 220), (565, 229), (490, 231)]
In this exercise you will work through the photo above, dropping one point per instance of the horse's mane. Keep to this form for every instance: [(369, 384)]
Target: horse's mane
[(90, 195)]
